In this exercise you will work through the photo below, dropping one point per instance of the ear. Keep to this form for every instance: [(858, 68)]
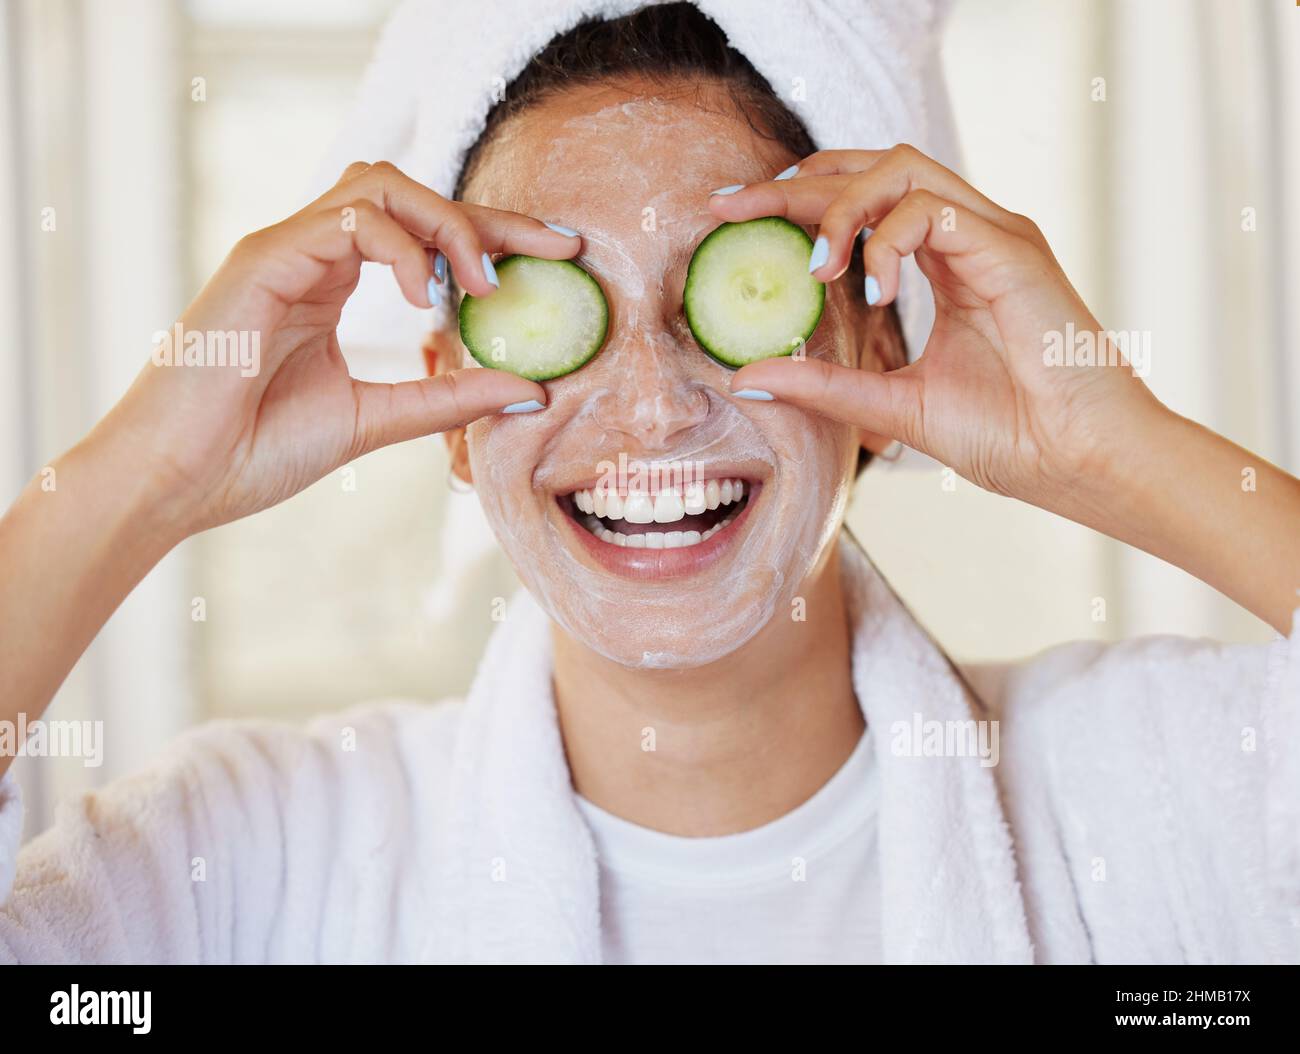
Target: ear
[(442, 354), (880, 348)]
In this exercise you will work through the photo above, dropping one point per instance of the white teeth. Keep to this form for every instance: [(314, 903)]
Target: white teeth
[(654, 539), (639, 508), (668, 506), (695, 504)]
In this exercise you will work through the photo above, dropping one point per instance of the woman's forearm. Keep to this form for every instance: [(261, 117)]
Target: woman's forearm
[(1196, 500), (79, 538)]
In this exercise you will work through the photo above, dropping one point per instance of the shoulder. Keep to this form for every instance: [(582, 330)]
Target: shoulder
[(1154, 727), (380, 739), (250, 778), (282, 823), (1131, 676), (1108, 726), (1156, 769)]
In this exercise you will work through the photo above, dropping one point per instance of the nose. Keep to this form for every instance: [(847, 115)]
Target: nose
[(652, 398)]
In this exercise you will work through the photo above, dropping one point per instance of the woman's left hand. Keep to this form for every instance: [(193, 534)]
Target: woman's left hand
[(1089, 442), (981, 399)]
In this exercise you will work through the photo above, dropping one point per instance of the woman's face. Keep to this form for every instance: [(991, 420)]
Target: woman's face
[(632, 174)]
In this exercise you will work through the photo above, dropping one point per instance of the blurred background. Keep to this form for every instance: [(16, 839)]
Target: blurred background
[(1152, 141)]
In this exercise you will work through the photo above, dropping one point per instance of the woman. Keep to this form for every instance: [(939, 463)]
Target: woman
[(738, 750)]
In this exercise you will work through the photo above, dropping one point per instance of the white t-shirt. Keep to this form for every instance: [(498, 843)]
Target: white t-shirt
[(804, 888)]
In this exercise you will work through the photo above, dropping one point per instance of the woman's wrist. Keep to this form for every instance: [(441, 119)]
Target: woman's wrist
[(139, 499), (1191, 497), (83, 533), (1119, 490)]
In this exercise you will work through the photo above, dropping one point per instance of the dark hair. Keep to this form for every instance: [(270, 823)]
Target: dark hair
[(673, 45)]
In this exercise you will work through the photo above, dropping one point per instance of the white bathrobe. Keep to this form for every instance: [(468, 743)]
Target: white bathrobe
[(1145, 808)]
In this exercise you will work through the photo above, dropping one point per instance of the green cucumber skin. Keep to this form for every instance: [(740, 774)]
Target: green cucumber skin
[(484, 358), (721, 231)]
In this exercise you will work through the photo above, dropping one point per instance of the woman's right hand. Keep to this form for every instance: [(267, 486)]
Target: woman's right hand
[(221, 445), (190, 447)]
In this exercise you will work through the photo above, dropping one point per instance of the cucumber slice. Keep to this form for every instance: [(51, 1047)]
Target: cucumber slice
[(749, 295), (547, 318)]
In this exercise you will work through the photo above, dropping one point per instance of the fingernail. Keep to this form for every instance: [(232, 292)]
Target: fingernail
[(435, 294), (728, 190), (872, 289), (757, 394), (440, 266), (490, 272), (820, 254), (568, 232), (789, 173), (523, 408)]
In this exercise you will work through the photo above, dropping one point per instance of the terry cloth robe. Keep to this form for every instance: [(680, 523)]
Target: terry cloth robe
[(1143, 809)]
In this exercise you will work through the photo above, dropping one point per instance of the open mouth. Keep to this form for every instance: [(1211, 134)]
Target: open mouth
[(661, 531), (672, 518)]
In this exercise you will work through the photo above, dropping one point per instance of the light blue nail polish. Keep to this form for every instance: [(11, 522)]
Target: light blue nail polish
[(728, 190), (789, 173), (522, 408), (568, 232), (757, 394), (440, 266), (820, 254), (435, 294), (872, 288), (490, 272)]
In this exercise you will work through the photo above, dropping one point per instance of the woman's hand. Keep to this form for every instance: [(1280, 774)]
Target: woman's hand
[(990, 400), (222, 444), (981, 399), (192, 446)]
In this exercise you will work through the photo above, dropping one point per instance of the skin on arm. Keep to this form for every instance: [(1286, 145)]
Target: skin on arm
[(188, 448), (1090, 443)]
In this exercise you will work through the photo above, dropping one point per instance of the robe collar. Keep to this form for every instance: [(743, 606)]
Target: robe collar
[(518, 877)]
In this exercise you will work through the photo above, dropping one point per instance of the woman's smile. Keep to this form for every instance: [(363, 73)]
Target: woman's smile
[(661, 528)]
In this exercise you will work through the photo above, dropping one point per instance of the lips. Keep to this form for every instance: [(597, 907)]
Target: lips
[(674, 530)]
